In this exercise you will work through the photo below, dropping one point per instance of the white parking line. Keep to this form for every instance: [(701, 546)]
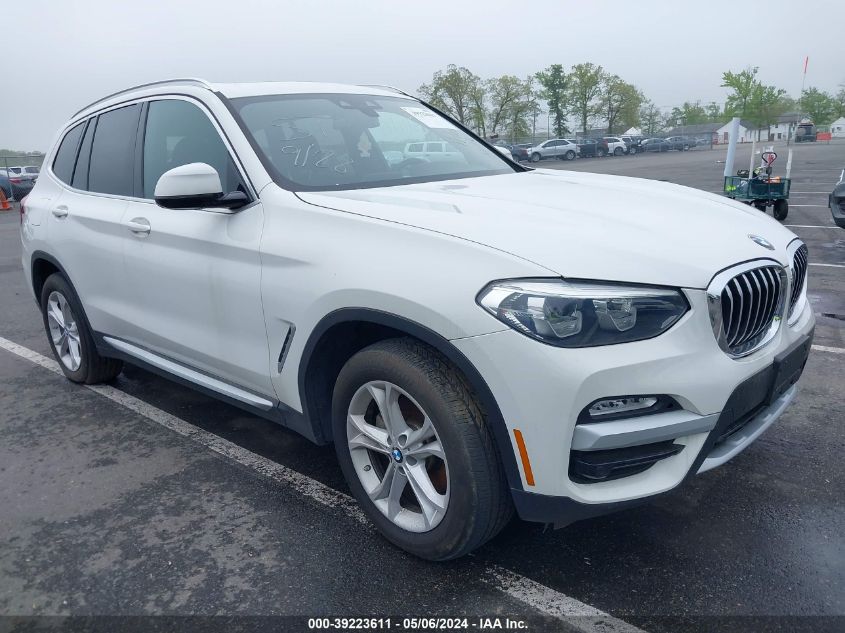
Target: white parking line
[(793, 206), (544, 599), (832, 350), (830, 265), (812, 226)]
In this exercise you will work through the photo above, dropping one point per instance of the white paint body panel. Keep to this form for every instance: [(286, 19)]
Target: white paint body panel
[(219, 292)]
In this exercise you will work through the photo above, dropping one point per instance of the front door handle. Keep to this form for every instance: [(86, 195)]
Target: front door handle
[(139, 226), (60, 211)]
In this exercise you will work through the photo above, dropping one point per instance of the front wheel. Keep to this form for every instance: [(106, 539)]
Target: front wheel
[(415, 450), (618, 151), (570, 155), (632, 151), (781, 210), (535, 157)]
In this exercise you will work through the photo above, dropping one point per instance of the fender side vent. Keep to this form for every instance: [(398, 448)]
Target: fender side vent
[(286, 347)]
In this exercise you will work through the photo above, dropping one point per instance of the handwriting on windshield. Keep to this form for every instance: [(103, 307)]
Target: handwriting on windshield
[(313, 156)]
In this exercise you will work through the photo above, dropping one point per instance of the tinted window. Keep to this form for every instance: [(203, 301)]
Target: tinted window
[(80, 174), (178, 133), (112, 152), (66, 156)]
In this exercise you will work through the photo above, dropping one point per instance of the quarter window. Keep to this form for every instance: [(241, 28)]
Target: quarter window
[(66, 154), (179, 133), (111, 168)]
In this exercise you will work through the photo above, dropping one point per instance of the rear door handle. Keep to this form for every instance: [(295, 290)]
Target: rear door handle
[(139, 226), (60, 211)]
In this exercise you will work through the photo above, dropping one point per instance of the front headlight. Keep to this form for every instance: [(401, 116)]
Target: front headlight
[(582, 314)]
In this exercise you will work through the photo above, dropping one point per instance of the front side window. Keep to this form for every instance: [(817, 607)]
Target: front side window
[(111, 167), (66, 154), (347, 141), (179, 133)]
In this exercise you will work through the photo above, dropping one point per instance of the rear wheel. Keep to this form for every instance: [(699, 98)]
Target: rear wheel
[(69, 335), (601, 152), (781, 210), (413, 445)]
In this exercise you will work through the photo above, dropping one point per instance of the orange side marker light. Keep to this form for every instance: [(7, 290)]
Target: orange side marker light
[(523, 454)]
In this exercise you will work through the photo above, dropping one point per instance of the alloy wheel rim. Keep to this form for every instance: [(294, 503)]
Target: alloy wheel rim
[(64, 331), (398, 456)]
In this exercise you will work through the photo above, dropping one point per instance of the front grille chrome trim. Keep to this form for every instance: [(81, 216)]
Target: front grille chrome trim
[(747, 304), (798, 268)]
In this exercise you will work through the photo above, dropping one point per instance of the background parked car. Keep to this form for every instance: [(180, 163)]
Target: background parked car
[(837, 202), (15, 185), (24, 172), (632, 143), (432, 151), (680, 143), (590, 147), (554, 148), (616, 145), (655, 145), (518, 152)]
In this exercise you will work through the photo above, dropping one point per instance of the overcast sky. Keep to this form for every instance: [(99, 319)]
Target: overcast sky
[(62, 54)]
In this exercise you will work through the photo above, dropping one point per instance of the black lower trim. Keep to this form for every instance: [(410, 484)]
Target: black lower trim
[(280, 413), (759, 390)]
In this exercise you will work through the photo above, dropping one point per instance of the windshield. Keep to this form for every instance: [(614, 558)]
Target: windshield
[(319, 142)]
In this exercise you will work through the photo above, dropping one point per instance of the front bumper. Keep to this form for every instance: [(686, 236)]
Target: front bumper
[(541, 390)]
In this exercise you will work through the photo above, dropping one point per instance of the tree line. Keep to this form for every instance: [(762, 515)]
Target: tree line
[(588, 96)]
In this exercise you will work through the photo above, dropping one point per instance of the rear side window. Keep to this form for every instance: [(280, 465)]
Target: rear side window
[(179, 133), (80, 174), (66, 155), (111, 169)]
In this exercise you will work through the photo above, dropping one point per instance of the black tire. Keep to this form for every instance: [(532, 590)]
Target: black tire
[(618, 151), (535, 157), (601, 153), (93, 368), (479, 500), (570, 155), (633, 150), (781, 210), (686, 148)]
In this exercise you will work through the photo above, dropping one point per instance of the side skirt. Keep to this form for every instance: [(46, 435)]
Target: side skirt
[(269, 409)]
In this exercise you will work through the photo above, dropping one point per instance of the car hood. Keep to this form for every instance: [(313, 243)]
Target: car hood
[(581, 225)]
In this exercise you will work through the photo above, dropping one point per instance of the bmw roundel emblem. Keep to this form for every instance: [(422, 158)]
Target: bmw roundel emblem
[(397, 455), (762, 241)]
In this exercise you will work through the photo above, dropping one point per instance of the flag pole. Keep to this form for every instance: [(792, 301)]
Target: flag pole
[(800, 97)]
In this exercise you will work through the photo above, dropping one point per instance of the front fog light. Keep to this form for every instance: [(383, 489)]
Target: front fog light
[(620, 405), (583, 314)]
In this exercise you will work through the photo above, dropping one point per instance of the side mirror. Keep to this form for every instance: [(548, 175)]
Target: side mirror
[(195, 186)]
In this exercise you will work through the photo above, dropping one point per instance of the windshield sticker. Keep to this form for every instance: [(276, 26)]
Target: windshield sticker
[(428, 118)]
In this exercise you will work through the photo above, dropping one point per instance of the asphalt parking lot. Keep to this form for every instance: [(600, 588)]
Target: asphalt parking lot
[(144, 497)]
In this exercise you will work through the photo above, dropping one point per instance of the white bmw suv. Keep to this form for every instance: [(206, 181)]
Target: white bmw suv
[(474, 337)]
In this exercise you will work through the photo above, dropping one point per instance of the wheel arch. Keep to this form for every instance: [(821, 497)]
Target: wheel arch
[(331, 343), (41, 266)]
